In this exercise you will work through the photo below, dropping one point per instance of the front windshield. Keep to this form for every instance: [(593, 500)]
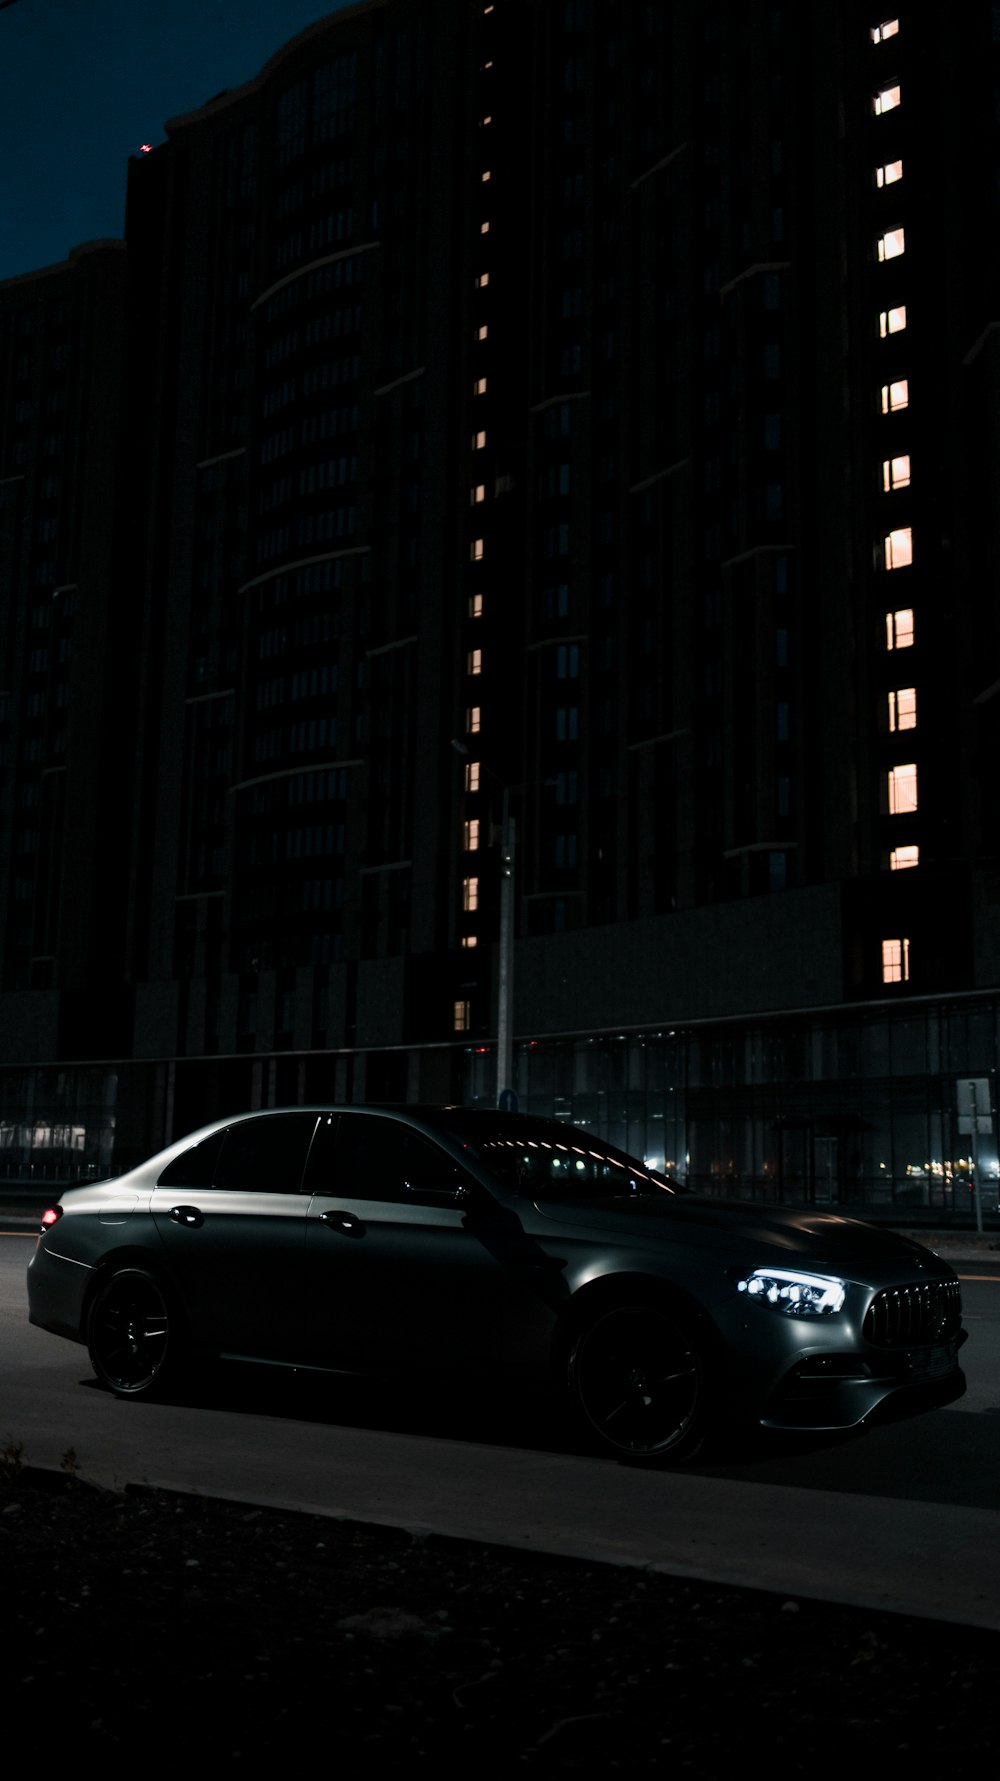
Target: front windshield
[(542, 1159)]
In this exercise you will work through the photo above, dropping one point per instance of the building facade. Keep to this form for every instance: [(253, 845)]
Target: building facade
[(547, 451), (69, 556)]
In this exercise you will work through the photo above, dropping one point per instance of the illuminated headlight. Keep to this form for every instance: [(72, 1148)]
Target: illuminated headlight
[(797, 1295)]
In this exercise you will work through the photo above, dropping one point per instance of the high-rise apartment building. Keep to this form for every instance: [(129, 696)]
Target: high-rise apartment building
[(555, 475), (67, 648)]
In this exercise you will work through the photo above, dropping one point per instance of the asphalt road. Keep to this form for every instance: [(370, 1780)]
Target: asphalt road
[(904, 1518)]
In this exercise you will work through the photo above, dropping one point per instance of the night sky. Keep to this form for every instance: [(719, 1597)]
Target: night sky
[(83, 83)]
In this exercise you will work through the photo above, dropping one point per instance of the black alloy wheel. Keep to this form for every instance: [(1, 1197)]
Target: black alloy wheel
[(640, 1382), (129, 1336)]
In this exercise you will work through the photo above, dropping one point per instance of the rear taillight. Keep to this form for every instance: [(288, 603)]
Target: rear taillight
[(50, 1216)]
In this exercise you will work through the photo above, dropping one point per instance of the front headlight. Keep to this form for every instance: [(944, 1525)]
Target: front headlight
[(795, 1293)]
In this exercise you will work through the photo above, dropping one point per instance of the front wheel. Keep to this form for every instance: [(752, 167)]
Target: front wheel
[(131, 1343), (639, 1378)]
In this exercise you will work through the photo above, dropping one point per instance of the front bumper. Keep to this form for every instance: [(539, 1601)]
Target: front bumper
[(833, 1391)]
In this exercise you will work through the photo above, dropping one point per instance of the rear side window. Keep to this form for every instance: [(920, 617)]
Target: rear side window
[(265, 1155), (194, 1167)]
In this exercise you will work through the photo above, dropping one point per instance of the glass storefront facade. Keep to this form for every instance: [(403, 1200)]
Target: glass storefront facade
[(875, 1109), (57, 1122), (865, 1109)]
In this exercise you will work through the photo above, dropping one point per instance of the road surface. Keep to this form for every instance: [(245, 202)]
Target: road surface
[(904, 1518)]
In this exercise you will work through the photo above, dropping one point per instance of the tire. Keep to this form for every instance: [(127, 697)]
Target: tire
[(639, 1379), (130, 1339)]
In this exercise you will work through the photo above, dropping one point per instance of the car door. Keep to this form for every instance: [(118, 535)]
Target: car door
[(231, 1214), (404, 1265)]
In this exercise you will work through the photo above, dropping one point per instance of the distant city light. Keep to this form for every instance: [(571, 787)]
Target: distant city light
[(145, 148)]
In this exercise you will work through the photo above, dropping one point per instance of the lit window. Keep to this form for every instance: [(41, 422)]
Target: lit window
[(483, 332), (474, 719), (895, 396), (895, 473), (461, 1018), (478, 441), (898, 548), (879, 33), (474, 661), (892, 321), (903, 708), (477, 550), (899, 629), (891, 244), (888, 175), (488, 120), (471, 836), (902, 857), (482, 281), (478, 493), (470, 893), (886, 100), (487, 176), (479, 387), (903, 789), (470, 939), (484, 228), (472, 776), (895, 961), (476, 606)]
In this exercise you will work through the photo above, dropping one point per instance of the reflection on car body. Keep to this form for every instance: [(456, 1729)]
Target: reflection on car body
[(449, 1240)]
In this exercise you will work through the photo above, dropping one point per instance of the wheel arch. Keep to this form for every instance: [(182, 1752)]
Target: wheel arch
[(117, 1261), (635, 1286)]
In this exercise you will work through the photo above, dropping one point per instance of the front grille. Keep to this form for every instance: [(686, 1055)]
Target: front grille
[(905, 1316)]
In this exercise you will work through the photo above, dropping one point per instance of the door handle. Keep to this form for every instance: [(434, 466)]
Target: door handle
[(347, 1223), (187, 1215)]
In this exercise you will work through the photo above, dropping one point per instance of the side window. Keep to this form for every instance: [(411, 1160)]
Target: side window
[(195, 1167), (380, 1159), (266, 1155)]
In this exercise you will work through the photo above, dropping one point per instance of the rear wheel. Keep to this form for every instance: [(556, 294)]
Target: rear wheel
[(639, 1378), (132, 1346)]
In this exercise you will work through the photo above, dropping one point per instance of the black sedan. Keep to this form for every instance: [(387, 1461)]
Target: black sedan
[(444, 1240)]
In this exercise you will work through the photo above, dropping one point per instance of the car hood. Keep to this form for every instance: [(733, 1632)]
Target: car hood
[(690, 1218)]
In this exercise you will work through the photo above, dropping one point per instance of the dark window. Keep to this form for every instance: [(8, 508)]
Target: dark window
[(266, 1155), (194, 1167), (367, 1158)]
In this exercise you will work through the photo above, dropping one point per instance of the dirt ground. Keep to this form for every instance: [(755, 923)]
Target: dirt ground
[(172, 1629)]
